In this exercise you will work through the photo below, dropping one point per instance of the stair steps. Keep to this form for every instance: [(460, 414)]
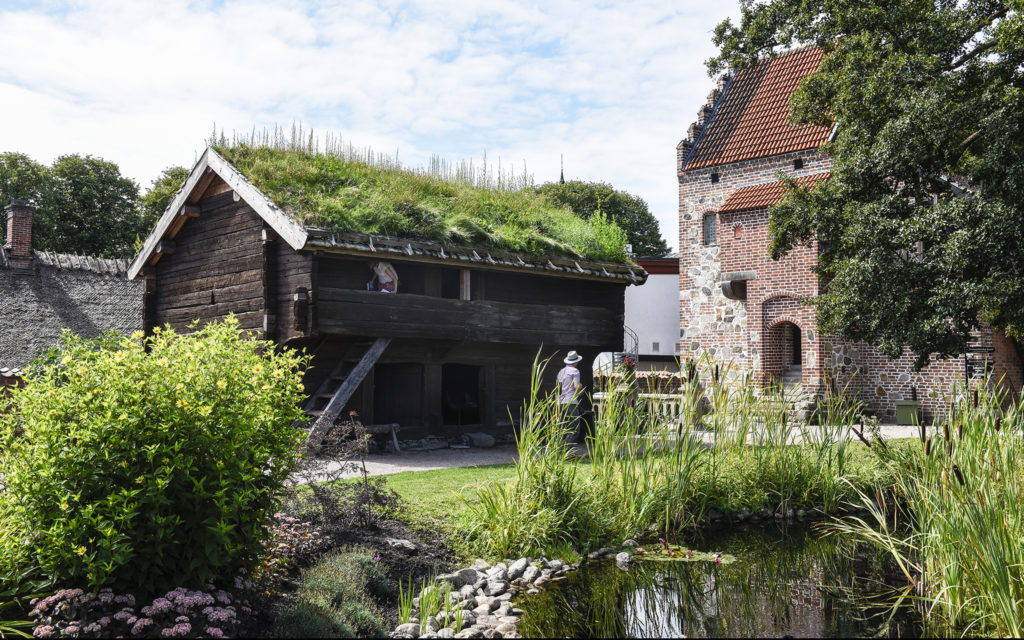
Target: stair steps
[(327, 402)]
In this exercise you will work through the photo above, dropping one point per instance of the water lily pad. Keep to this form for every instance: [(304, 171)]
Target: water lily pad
[(676, 553)]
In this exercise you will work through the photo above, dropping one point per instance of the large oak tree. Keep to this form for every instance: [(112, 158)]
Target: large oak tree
[(629, 212), (922, 222)]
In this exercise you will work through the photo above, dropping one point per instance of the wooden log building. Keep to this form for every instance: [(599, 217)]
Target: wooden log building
[(450, 352)]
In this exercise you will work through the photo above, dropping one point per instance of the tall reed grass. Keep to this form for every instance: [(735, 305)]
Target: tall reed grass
[(960, 492), (723, 447)]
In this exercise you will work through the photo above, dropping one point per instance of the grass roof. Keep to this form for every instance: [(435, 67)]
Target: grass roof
[(343, 194)]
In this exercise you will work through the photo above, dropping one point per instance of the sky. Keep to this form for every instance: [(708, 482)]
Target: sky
[(611, 87)]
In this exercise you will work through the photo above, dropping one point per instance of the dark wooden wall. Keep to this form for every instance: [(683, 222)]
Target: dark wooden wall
[(217, 268), (405, 385), (226, 260), (294, 279)]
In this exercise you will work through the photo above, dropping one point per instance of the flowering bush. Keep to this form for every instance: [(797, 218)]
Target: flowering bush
[(74, 613), (142, 464)]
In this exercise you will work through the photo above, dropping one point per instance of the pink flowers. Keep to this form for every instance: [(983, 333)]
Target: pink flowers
[(180, 613), (663, 543)]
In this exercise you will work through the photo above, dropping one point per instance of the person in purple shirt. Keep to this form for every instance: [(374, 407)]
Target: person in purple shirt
[(569, 388)]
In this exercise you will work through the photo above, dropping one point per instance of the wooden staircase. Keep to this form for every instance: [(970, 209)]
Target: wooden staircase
[(330, 397)]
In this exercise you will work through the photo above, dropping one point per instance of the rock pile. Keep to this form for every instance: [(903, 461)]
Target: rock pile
[(480, 599)]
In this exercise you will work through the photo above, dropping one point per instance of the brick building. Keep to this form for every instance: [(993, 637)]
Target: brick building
[(739, 305), (43, 293)]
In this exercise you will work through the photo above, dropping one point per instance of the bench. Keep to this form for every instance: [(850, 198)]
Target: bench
[(381, 429)]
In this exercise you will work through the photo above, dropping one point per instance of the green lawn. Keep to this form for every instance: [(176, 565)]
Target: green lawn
[(437, 492)]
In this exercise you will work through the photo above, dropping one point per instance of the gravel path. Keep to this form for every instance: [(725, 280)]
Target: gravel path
[(385, 463)]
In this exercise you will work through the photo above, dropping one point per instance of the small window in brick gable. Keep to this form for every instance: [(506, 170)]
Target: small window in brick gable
[(714, 178), (710, 229), (798, 163)]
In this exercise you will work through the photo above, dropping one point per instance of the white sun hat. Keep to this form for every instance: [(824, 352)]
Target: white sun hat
[(572, 358)]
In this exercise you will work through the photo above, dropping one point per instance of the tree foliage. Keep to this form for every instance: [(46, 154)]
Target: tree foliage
[(155, 201), (627, 211), (83, 203), (921, 225)]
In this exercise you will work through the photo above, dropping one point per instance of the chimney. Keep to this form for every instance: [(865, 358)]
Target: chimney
[(19, 234)]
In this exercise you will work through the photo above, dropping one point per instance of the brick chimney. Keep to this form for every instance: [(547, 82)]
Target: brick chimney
[(19, 234)]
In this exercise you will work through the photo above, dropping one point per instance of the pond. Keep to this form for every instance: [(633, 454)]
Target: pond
[(785, 581)]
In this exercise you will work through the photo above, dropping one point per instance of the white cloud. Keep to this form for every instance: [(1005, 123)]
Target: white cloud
[(613, 87)]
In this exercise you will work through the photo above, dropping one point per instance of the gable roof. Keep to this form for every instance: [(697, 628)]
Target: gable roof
[(752, 117), (211, 163), (764, 195), (299, 236)]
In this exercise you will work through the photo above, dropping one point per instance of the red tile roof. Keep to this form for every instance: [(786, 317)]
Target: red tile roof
[(752, 119), (764, 195)]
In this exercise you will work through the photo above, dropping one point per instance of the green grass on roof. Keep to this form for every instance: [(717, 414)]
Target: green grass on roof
[(341, 194)]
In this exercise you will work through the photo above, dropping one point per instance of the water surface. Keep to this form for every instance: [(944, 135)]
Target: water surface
[(786, 581)]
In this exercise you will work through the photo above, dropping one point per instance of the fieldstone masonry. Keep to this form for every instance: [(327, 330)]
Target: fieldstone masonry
[(761, 333)]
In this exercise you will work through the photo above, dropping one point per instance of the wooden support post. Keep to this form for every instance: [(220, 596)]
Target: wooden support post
[(326, 419), (465, 278), (489, 401), (433, 415)]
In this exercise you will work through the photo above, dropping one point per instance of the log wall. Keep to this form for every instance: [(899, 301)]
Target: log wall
[(217, 268)]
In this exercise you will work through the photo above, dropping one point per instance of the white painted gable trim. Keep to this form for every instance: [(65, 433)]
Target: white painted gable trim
[(292, 233)]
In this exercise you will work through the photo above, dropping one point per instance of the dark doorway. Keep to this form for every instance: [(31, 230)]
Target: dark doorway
[(460, 394), (397, 393), (797, 346)]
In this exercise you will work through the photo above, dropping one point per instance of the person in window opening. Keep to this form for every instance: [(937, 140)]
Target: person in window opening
[(385, 276), (569, 388)]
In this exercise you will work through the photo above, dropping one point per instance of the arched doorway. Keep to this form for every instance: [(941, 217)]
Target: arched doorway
[(784, 352)]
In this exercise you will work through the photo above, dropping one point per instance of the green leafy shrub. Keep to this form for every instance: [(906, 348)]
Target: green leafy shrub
[(334, 600), (145, 464)]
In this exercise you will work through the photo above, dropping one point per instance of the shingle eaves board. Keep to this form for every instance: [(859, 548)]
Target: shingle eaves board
[(424, 251)]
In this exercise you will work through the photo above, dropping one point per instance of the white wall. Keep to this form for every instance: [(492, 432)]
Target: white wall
[(652, 311)]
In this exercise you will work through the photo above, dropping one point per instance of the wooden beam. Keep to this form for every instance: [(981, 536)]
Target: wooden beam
[(165, 247), (326, 419), (368, 313), (465, 277), (196, 193), (191, 211)]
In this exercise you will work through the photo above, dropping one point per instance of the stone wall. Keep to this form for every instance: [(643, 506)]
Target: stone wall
[(751, 334), (734, 330), (880, 382)]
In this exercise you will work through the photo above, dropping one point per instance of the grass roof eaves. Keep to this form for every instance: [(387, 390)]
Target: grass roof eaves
[(517, 221)]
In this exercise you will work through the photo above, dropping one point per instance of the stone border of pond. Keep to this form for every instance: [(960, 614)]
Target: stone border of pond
[(486, 592)]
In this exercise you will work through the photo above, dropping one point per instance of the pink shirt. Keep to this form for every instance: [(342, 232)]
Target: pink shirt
[(568, 378)]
